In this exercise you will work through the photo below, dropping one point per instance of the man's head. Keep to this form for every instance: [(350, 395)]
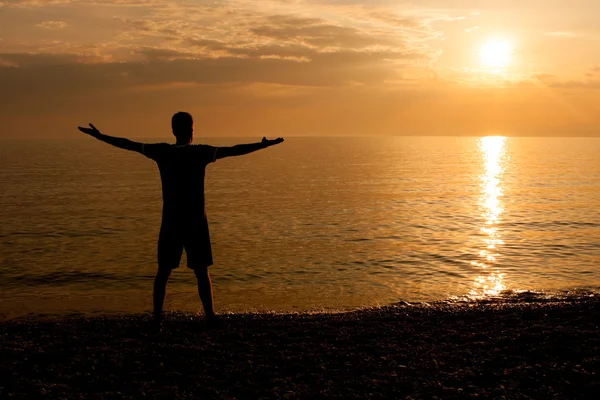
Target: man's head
[(183, 127)]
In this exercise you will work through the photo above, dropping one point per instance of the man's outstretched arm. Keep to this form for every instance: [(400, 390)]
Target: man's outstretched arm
[(241, 149), (115, 141)]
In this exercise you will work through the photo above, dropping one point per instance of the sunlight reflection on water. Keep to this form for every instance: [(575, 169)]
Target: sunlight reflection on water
[(491, 280)]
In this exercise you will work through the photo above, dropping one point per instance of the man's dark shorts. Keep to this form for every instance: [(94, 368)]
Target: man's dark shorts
[(193, 236)]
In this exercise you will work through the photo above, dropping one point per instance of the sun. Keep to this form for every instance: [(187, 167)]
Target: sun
[(495, 53)]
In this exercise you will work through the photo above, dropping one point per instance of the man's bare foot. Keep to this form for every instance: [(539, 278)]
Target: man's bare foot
[(213, 322), (155, 325)]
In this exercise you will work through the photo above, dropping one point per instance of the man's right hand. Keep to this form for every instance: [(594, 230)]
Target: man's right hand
[(273, 142), (90, 131)]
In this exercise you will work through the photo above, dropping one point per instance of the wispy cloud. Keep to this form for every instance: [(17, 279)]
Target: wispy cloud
[(237, 25), (53, 24), (36, 3), (591, 80), (563, 34)]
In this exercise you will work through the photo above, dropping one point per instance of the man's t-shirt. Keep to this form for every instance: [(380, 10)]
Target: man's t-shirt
[(182, 175)]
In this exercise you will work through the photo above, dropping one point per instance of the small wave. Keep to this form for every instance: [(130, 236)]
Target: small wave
[(549, 224), (61, 278), (529, 296)]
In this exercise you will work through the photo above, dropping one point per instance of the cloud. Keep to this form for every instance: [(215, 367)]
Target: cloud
[(563, 34), (576, 84), (593, 72), (172, 25), (53, 24), (394, 19), (62, 83), (339, 65), (212, 43), (36, 3), (70, 72), (42, 60), (283, 31), (53, 3), (319, 35), (552, 81), (7, 63)]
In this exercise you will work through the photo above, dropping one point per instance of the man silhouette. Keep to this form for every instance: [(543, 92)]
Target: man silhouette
[(184, 224)]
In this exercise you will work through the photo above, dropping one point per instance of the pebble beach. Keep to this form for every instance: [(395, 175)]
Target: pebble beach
[(480, 350)]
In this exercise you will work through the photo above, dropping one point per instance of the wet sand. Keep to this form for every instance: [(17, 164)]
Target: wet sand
[(493, 350)]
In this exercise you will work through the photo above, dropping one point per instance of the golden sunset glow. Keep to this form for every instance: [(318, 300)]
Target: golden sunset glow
[(495, 53), (246, 68)]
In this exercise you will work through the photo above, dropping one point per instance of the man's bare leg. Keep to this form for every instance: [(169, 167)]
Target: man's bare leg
[(160, 289), (205, 292)]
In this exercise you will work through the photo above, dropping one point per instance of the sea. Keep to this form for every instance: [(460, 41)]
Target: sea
[(315, 224)]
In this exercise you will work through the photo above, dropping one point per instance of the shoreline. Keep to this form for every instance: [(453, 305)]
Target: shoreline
[(506, 296), (485, 349)]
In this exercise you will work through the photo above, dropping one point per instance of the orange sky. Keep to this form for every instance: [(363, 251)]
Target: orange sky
[(277, 68)]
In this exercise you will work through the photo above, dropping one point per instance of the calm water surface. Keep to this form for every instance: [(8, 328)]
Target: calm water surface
[(314, 223)]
